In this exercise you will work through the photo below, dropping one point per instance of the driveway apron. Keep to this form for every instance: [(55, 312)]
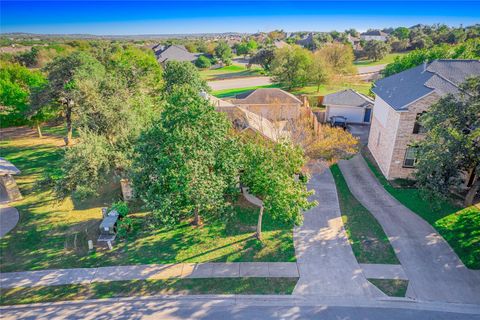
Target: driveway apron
[(434, 270), (325, 258)]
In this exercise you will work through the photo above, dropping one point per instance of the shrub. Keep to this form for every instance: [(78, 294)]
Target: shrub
[(203, 62), (121, 207)]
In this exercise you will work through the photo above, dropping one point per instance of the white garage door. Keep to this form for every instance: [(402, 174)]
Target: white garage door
[(352, 114)]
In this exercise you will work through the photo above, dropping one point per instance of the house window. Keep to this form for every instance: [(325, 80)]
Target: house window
[(410, 157), (417, 127)]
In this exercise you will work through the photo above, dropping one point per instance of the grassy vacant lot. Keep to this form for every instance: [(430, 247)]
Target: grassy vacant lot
[(362, 87), (52, 234), (459, 226), (227, 72), (368, 240), (389, 58), (115, 289), (230, 93), (391, 287)]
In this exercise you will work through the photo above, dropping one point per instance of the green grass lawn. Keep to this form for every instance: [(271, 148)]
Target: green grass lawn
[(389, 58), (362, 87), (391, 287), (116, 289), (53, 234), (228, 93), (459, 226), (232, 71), (368, 240), (308, 90)]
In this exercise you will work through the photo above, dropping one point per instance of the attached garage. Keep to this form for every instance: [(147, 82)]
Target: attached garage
[(354, 106)]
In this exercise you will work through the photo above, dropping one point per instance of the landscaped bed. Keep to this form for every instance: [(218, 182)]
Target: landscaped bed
[(52, 234), (115, 289), (369, 242), (460, 227), (391, 287)]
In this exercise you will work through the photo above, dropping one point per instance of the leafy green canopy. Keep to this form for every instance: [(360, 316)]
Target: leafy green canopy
[(467, 50), (113, 108), (270, 172), (186, 162), (16, 85), (452, 143), (180, 73)]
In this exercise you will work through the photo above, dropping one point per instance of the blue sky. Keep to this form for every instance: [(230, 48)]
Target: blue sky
[(161, 17)]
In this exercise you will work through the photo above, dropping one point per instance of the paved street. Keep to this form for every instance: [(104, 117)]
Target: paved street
[(434, 270), (231, 307), (239, 83), (325, 258)]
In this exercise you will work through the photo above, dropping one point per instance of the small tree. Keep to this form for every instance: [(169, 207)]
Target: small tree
[(16, 85), (319, 72), (451, 147), (291, 66), (338, 58), (269, 171), (64, 73), (203, 62), (187, 162), (224, 53), (263, 57), (376, 50), (180, 73)]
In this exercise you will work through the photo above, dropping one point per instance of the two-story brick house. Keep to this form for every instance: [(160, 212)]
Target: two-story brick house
[(399, 100)]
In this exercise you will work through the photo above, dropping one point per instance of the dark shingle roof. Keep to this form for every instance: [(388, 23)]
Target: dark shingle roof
[(374, 33), (175, 53), (441, 76), (347, 97)]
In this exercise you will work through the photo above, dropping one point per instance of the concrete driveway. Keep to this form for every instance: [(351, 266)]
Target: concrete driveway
[(434, 270), (325, 258), (239, 83), (360, 131)]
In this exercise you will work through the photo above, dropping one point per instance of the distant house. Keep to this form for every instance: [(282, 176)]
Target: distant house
[(399, 101), (306, 41), (374, 35), (8, 187), (280, 44), (354, 106), (354, 41), (173, 52)]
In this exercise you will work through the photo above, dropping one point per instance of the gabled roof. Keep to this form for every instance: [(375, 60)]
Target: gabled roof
[(347, 97), (280, 44), (440, 76), (174, 52), (374, 33), (6, 167), (268, 96)]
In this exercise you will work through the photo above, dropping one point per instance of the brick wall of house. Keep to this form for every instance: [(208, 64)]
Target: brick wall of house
[(381, 139), (405, 136)]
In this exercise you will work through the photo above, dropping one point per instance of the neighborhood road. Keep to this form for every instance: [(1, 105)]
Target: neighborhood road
[(325, 258), (239, 83), (434, 270), (221, 309), (246, 82)]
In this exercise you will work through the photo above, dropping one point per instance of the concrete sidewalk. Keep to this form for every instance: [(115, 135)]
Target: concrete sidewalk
[(153, 271)]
